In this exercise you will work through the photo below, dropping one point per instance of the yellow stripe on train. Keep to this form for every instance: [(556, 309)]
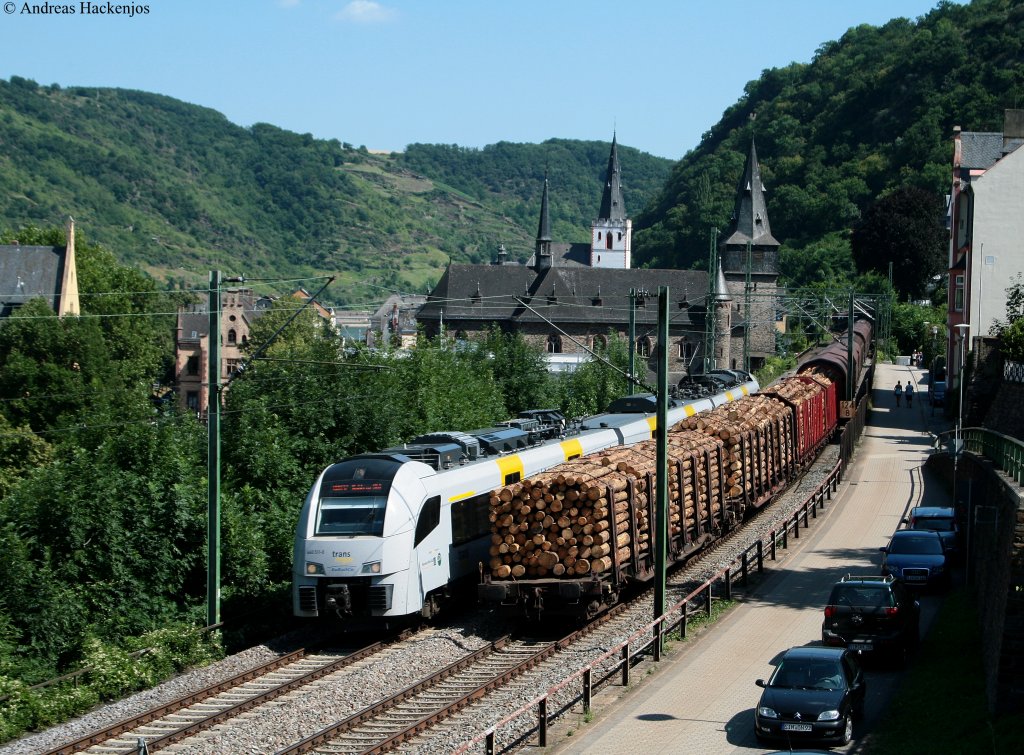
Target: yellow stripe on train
[(510, 465), (572, 449), (462, 496)]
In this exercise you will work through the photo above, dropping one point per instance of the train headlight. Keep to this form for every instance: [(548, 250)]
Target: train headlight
[(314, 568), (371, 567)]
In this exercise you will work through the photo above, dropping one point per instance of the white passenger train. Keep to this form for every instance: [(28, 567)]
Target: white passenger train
[(389, 535)]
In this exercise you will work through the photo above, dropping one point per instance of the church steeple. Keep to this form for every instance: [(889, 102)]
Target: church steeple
[(611, 234), (542, 251), (612, 206), (750, 215)]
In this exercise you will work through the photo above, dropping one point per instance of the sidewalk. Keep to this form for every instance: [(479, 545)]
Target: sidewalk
[(701, 699)]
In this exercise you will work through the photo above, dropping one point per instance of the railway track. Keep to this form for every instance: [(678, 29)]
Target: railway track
[(384, 726), (385, 721), (192, 713)]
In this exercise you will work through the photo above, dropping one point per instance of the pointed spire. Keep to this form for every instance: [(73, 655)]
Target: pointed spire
[(544, 227), (612, 206), (750, 216), (542, 251), (721, 288)]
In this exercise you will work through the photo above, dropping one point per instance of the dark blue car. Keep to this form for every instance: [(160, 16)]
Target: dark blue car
[(814, 694), (917, 558), (937, 519)]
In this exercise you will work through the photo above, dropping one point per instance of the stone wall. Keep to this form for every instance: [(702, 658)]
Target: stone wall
[(991, 510)]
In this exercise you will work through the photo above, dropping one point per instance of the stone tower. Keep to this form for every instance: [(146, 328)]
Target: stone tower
[(750, 242)]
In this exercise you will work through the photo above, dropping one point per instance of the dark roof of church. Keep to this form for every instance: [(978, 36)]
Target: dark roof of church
[(30, 272), (561, 294), (566, 255), (750, 215), (612, 206)]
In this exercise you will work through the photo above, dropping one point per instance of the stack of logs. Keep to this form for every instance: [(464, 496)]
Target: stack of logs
[(579, 518), (756, 435)]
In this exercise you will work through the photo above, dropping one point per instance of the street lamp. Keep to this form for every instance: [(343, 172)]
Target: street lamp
[(963, 329)]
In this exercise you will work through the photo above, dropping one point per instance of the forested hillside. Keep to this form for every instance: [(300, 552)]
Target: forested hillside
[(870, 113), (177, 189)]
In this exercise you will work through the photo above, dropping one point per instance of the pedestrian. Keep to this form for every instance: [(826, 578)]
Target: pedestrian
[(898, 392), (910, 394)]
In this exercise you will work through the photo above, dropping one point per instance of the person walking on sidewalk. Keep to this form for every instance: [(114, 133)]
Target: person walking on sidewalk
[(910, 394), (898, 392)]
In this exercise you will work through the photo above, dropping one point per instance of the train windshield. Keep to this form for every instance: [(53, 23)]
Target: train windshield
[(355, 515)]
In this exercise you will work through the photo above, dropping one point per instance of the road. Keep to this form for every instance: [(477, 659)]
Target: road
[(703, 698)]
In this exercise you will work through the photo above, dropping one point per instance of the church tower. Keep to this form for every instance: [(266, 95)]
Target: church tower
[(750, 244), (611, 234), (750, 226)]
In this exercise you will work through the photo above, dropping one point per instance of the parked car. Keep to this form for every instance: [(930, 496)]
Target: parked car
[(937, 392), (939, 519), (872, 615), (814, 693), (917, 558)]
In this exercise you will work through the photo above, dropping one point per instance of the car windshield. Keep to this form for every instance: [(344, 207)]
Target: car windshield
[(937, 523), (358, 515), (861, 595), (808, 673), (916, 545)]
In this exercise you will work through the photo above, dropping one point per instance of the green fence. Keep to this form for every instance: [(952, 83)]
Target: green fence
[(1004, 451)]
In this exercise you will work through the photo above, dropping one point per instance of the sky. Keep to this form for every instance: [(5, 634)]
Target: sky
[(387, 73)]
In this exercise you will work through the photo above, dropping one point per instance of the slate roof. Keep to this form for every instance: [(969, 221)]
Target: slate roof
[(750, 215), (562, 294), (612, 206), (29, 272), (980, 150)]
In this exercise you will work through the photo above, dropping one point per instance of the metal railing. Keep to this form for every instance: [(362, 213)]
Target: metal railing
[(648, 639), (1005, 452)]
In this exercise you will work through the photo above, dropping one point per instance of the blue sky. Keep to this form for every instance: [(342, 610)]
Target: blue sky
[(469, 72)]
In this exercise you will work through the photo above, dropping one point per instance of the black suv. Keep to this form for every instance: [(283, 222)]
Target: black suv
[(871, 614)]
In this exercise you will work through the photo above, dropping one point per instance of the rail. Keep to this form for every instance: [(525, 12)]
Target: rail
[(1004, 451), (700, 600), (648, 639)]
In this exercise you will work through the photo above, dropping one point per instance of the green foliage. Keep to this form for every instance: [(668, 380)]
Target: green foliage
[(773, 368), (1012, 338), (903, 229), (177, 189), (909, 330), (872, 113), (113, 671), (593, 385), (520, 372), (510, 177)]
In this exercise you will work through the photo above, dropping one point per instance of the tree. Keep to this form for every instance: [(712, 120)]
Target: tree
[(520, 372), (904, 229)]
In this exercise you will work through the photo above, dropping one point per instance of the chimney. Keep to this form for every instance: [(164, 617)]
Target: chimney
[(1013, 126)]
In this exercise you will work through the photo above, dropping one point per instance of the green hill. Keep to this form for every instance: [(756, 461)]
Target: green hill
[(870, 113), (177, 189)]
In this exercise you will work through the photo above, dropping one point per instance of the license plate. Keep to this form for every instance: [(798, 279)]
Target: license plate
[(864, 646), (797, 727)]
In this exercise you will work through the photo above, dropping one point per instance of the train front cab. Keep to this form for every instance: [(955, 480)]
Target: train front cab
[(354, 554)]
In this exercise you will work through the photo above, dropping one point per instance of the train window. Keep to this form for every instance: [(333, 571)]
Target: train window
[(357, 515), (512, 477), (471, 519), (430, 517)]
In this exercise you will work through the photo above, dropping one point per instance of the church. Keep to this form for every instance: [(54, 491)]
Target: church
[(569, 298)]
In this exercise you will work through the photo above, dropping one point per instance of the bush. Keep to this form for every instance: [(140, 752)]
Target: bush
[(114, 672)]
